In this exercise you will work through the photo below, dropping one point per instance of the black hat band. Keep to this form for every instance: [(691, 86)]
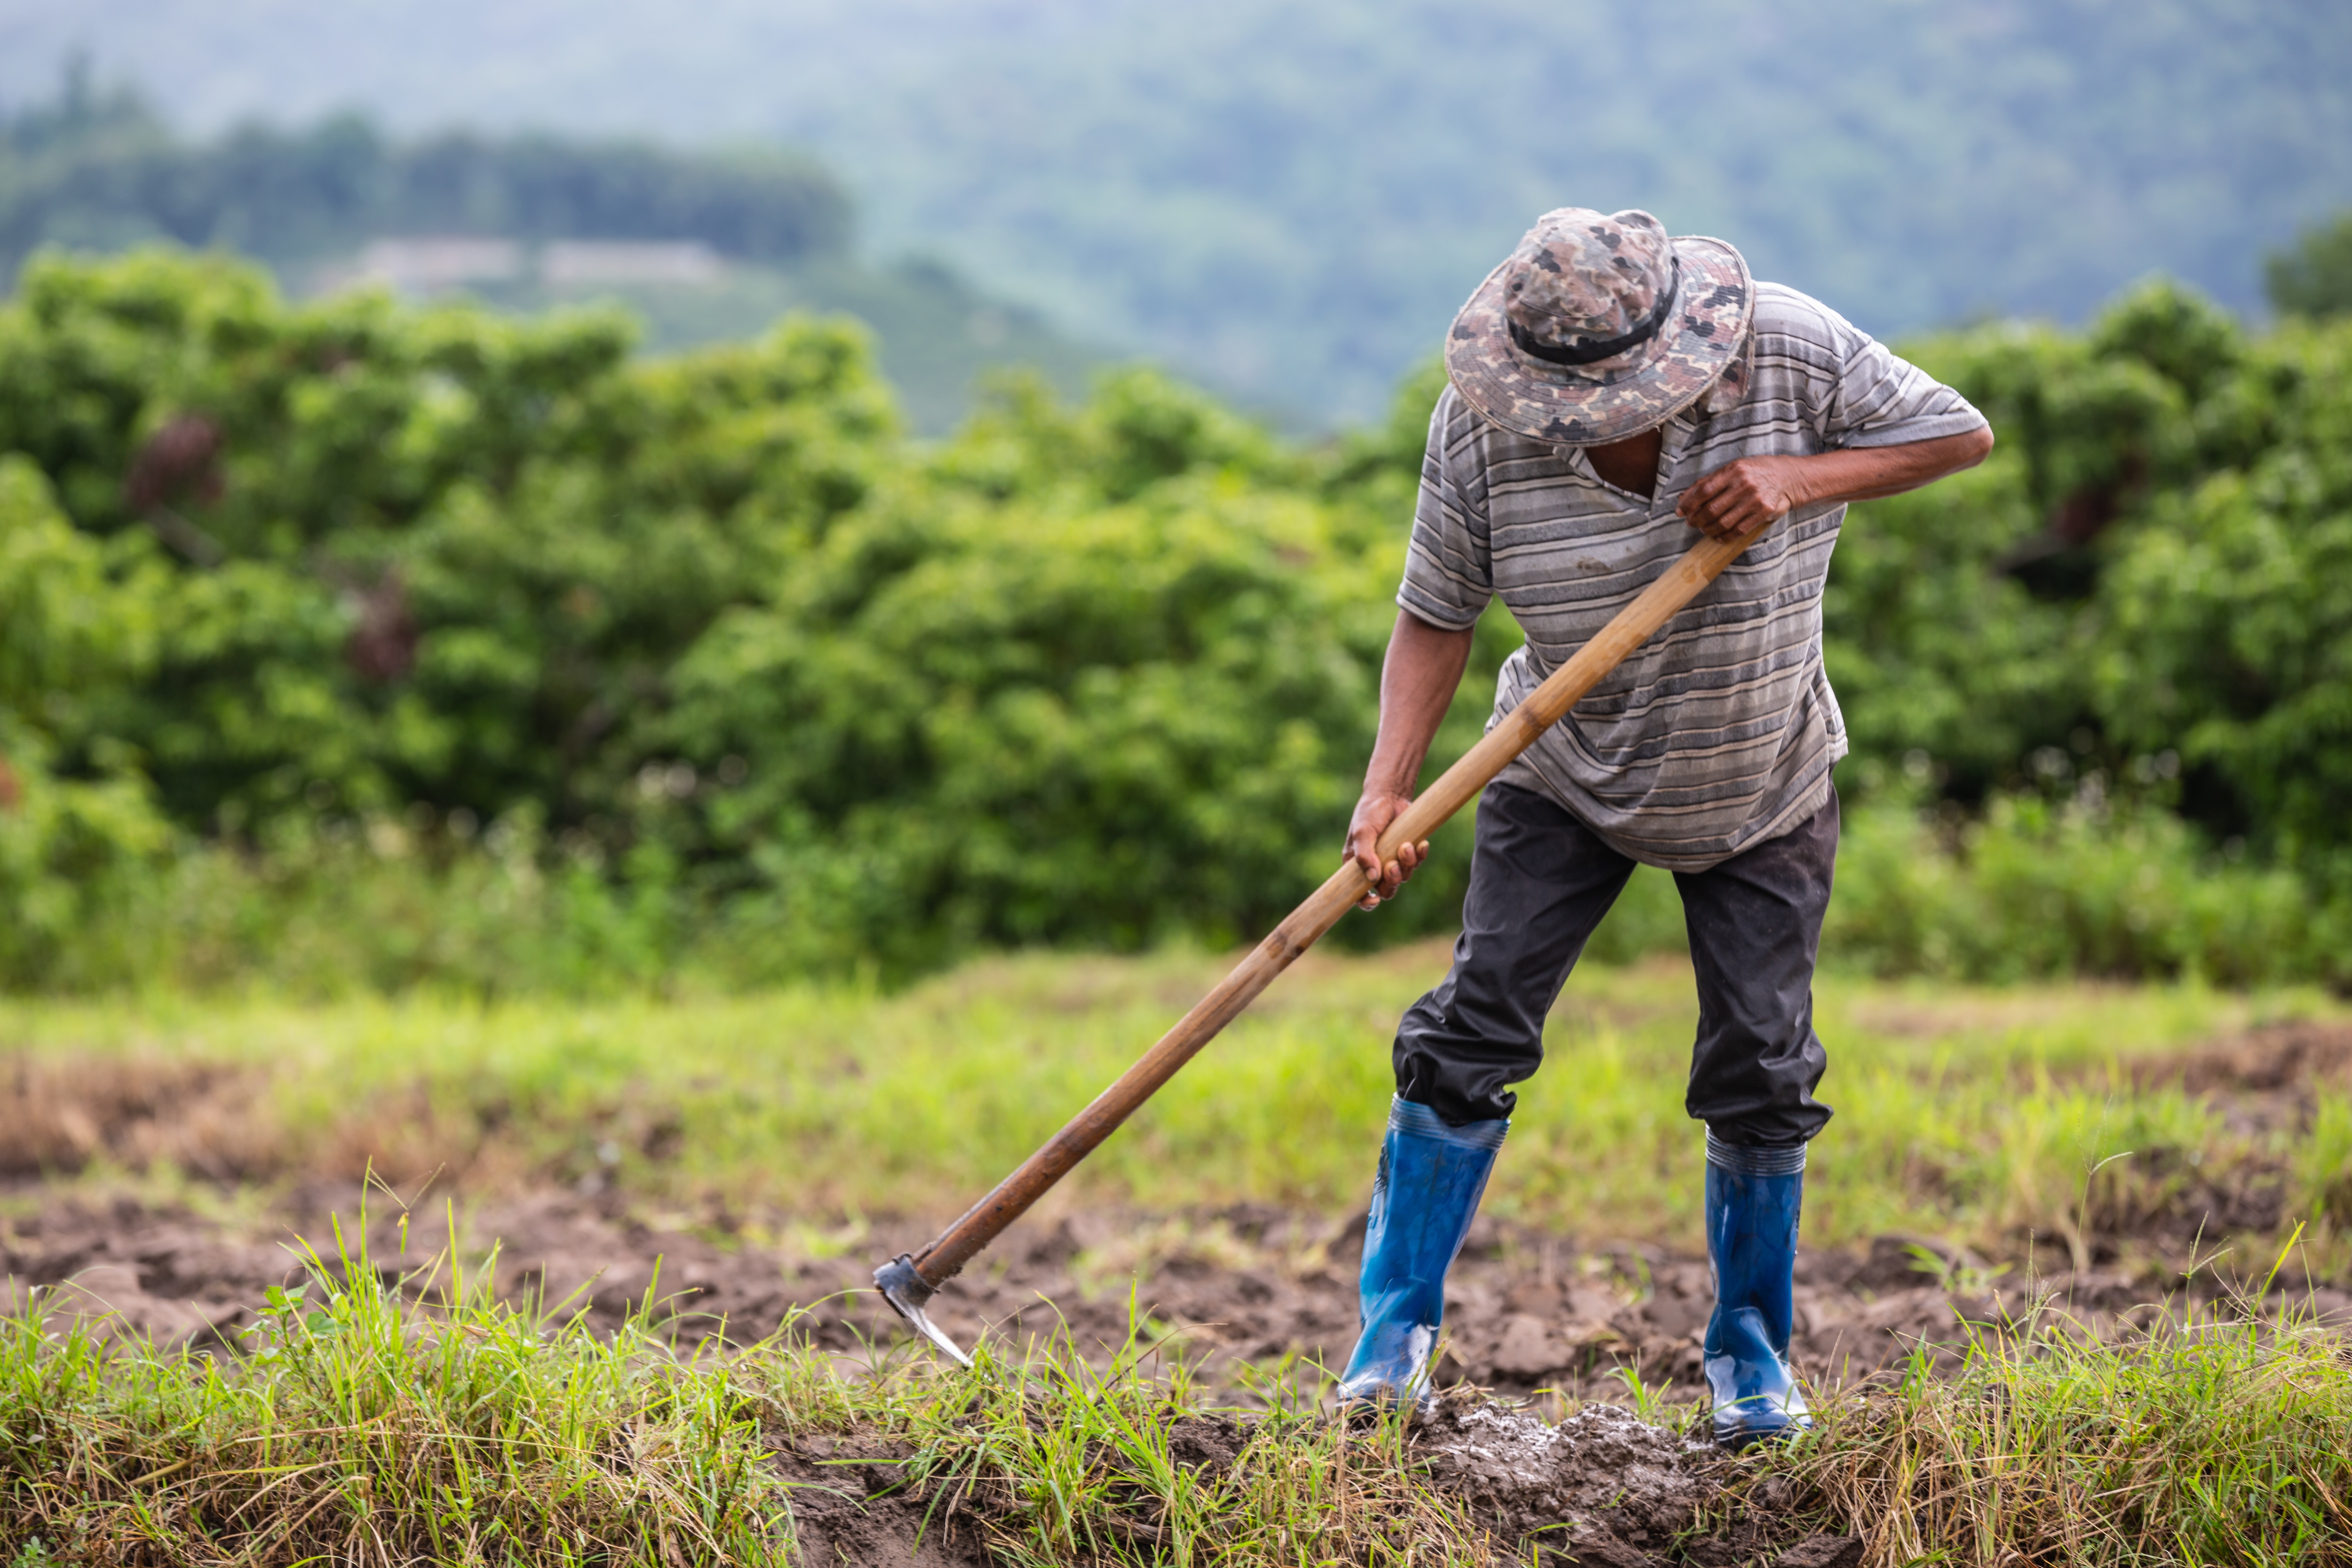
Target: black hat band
[(1590, 350)]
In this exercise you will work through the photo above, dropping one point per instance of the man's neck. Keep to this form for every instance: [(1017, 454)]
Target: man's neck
[(1630, 464)]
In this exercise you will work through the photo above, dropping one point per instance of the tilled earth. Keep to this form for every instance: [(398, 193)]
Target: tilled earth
[(1598, 1487), (1525, 1310), (1599, 1490), (1545, 1318)]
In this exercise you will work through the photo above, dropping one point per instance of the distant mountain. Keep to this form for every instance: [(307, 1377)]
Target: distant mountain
[(700, 244), (99, 167), (1289, 197)]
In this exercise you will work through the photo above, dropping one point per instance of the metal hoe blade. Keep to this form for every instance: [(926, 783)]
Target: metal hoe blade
[(906, 1291)]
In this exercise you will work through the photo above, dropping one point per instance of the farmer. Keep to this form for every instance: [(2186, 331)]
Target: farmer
[(1611, 389)]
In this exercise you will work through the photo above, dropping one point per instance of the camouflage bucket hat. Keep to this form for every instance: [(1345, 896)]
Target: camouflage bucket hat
[(1599, 327)]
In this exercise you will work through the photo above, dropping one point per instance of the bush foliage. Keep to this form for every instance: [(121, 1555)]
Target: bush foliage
[(439, 646), (2313, 277)]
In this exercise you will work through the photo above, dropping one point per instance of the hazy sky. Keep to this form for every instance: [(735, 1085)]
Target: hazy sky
[(728, 68)]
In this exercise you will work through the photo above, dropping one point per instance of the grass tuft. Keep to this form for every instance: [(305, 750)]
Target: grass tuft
[(1061, 1462), (422, 1420), (367, 1428), (2222, 1439)]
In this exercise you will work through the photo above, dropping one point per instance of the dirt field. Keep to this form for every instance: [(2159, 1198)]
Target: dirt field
[(1532, 1312), (1251, 1295), (1531, 1315), (1528, 1310)]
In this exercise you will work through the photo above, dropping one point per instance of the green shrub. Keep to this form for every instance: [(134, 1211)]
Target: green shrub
[(2226, 613), (2313, 275), (2036, 889), (73, 852), (297, 601)]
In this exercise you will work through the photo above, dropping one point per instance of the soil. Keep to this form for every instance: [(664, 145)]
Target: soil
[(1597, 1488), (1600, 1490), (1532, 1315), (1527, 1311), (850, 1505), (1240, 1283), (2263, 1080), (1540, 1318)]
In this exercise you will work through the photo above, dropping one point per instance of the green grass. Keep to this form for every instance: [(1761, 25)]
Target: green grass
[(362, 1432), (429, 1423), (1978, 1114), (370, 1427), (2215, 1440)]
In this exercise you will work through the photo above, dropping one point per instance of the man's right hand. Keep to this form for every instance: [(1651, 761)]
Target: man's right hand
[(1374, 811), (1418, 680)]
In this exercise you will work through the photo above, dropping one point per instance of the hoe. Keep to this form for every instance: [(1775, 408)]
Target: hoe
[(909, 1280)]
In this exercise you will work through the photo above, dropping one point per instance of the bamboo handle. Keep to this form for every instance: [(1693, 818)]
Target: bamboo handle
[(1544, 707)]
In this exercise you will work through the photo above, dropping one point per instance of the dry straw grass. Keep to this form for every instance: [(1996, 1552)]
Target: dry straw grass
[(138, 1109)]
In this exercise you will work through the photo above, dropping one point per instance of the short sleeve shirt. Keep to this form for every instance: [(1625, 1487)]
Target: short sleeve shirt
[(1721, 730)]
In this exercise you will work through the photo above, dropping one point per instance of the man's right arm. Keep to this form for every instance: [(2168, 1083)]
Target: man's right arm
[(1418, 680)]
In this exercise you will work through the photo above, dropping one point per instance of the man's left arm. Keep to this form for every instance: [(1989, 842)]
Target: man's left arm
[(1741, 496)]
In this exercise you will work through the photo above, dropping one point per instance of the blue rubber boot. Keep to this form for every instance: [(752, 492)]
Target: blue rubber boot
[(1430, 1180), (1753, 1198)]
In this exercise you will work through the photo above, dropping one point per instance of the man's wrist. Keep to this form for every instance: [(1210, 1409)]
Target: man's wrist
[(1799, 482)]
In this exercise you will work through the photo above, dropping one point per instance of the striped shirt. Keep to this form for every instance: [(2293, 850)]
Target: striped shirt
[(1721, 730)]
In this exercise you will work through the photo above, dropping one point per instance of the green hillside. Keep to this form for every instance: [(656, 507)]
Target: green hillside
[(937, 337), (759, 234), (1287, 198)]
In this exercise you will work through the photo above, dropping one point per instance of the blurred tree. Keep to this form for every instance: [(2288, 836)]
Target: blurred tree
[(78, 621), (2226, 615), (2146, 571), (2313, 277)]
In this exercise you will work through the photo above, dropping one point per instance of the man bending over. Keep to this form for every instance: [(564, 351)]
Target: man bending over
[(1610, 389)]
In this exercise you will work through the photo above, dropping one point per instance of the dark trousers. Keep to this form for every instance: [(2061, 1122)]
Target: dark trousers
[(1539, 882)]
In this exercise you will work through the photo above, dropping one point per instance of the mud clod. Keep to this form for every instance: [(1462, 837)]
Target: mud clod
[(1211, 1443), (1823, 1551), (1601, 1473), (839, 1518), (1585, 1547)]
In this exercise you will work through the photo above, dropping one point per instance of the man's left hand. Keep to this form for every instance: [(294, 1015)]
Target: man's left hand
[(1740, 497)]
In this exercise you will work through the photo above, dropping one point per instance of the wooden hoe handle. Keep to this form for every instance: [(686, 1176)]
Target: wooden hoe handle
[(1457, 788)]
